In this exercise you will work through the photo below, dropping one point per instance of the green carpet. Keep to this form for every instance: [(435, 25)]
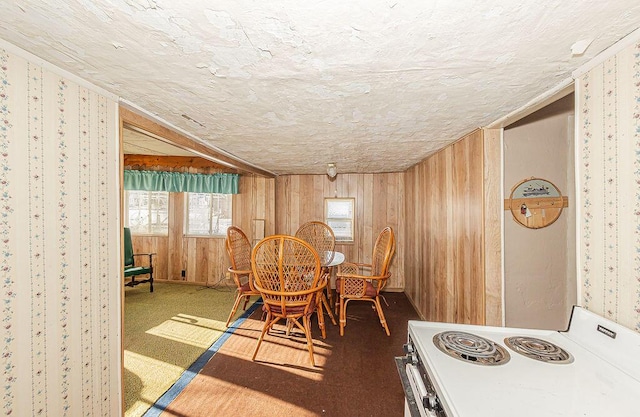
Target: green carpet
[(165, 332)]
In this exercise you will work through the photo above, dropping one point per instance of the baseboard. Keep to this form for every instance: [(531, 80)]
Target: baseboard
[(416, 309), (202, 284)]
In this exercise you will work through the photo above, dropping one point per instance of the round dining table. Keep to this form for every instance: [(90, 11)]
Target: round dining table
[(338, 258)]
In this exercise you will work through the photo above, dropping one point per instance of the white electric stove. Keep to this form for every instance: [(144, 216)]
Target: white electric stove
[(456, 370)]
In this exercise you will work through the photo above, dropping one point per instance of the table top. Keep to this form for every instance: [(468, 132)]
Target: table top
[(338, 258)]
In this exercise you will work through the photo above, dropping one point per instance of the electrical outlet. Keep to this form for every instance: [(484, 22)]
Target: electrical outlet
[(227, 275)]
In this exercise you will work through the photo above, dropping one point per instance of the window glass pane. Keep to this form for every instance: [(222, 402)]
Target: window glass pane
[(221, 213), (341, 229), (159, 204), (339, 215), (198, 220), (208, 214), (147, 212), (340, 209)]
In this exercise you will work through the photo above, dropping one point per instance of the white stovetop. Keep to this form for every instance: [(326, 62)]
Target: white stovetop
[(589, 386)]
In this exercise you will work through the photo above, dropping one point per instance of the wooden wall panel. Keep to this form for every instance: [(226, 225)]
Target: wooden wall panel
[(444, 267), (157, 245), (177, 260), (204, 259), (379, 203), (255, 201)]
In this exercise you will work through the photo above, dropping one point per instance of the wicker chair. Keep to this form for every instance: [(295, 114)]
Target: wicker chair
[(239, 250), (353, 284), (320, 236), (287, 273)]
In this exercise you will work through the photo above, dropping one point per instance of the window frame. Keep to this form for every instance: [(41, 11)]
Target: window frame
[(334, 221)]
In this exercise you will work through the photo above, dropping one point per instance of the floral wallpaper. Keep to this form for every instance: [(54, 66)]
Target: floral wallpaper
[(59, 234), (609, 180)]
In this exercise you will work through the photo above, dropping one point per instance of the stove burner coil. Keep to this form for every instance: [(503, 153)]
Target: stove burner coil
[(471, 348), (538, 349)]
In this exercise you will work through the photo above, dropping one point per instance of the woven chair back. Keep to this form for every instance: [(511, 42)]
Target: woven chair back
[(238, 248), (383, 251), (320, 236), (286, 271)]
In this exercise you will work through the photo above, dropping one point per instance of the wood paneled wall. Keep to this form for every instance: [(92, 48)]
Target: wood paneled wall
[(445, 211), (255, 201), (445, 233), (379, 200), (205, 259)]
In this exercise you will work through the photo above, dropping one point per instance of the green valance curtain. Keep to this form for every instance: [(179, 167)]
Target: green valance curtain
[(180, 182)]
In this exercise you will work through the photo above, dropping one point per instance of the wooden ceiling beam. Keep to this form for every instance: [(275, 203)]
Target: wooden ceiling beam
[(141, 123), (176, 162)]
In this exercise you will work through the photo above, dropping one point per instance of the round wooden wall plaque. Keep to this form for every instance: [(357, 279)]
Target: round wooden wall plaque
[(536, 203)]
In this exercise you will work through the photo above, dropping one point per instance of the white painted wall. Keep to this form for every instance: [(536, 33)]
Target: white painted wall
[(540, 276)]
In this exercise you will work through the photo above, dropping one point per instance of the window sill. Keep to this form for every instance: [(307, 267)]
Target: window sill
[(345, 242), (149, 235), (206, 236)]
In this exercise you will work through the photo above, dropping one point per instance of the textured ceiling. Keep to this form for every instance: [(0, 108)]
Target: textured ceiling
[(289, 86)]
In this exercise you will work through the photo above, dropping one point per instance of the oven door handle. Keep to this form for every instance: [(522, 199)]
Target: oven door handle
[(413, 404)]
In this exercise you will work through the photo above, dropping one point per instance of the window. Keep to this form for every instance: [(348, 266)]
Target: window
[(208, 214), (147, 212), (339, 215)]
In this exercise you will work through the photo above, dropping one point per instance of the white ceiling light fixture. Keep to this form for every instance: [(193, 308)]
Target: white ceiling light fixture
[(332, 170)]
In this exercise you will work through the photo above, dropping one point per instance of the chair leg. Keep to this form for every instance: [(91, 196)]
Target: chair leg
[(246, 301), (320, 315), (235, 307), (151, 281), (383, 321), (329, 290), (328, 307), (267, 325), (306, 320), (343, 315), (329, 293)]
